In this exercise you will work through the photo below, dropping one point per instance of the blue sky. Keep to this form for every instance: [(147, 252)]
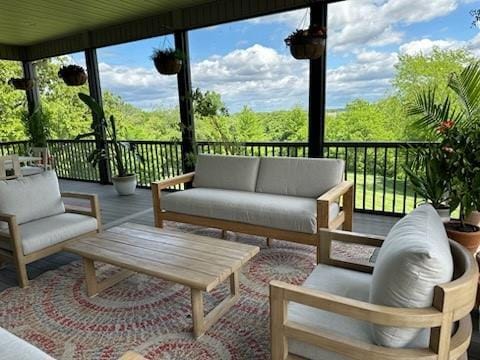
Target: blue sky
[(248, 63)]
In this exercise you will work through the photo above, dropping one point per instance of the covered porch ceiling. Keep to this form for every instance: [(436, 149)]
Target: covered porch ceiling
[(34, 29)]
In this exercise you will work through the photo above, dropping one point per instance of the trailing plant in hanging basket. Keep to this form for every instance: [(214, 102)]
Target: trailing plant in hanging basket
[(21, 84), (73, 75), (308, 43), (168, 61)]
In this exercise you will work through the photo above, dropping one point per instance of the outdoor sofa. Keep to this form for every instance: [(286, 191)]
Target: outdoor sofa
[(34, 222), (414, 304), (276, 197)]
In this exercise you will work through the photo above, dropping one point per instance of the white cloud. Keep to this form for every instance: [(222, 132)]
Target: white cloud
[(426, 46)]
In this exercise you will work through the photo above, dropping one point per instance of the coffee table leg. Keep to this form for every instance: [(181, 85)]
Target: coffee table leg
[(90, 277), (202, 322)]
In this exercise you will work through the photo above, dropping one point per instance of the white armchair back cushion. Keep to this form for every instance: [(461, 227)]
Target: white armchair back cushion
[(299, 176), (414, 258), (226, 172), (31, 198)]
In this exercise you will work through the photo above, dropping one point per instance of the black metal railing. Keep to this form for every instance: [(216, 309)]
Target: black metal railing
[(376, 168)]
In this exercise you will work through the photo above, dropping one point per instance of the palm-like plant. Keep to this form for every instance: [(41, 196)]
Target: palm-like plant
[(457, 130)]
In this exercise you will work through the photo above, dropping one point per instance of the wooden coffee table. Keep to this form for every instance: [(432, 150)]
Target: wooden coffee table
[(199, 262)]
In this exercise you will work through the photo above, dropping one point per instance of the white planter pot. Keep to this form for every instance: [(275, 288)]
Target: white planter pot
[(125, 185), (444, 213), (473, 218)]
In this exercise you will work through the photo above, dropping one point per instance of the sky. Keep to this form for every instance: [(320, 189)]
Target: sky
[(248, 63)]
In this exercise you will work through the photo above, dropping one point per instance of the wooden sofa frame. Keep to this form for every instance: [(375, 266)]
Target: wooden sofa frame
[(17, 256), (345, 217), (15, 167), (452, 303)]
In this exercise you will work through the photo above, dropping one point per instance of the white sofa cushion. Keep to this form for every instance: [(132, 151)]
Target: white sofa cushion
[(413, 260), (275, 211), (14, 348), (226, 172), (299, 176), (342, 282), (42, 233), (31, 198)]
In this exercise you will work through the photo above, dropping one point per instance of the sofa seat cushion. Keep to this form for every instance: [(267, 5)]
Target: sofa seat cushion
[(31, 198), (14, 348), (342, 282), (226, 172), (299, 176), (414, 258), (275, 211), (40, 234)]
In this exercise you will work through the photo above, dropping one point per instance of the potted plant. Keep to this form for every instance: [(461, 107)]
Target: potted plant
[(73, 75), (457, 130), (37, 127), (308, 43), (21, 84), (168, 61), (125, 182), (430, 179)]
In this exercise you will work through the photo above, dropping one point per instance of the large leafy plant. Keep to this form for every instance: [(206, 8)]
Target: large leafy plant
[(100, 125), (457, 131), (37, 127)]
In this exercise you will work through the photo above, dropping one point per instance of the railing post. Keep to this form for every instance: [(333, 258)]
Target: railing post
[(96, 92), (186, 103), (317, 90), (33, 94)]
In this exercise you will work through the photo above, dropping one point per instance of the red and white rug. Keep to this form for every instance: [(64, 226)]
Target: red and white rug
[(152, 316)]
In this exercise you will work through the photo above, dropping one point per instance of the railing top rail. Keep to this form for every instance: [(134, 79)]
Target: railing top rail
[(14, 142)]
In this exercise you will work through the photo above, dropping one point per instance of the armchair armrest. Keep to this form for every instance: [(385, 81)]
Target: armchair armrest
[(13, 231), (281, 294), (94, 210), (130, 355), (158, 186), (343, 191), (326, 238)]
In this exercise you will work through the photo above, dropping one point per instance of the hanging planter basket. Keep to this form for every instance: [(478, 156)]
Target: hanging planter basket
[(168, 62), (307, 44), (21, 84), (73, 75)]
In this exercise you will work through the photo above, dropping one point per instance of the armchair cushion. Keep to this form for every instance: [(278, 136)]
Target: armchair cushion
[(342, 282), (14, 348), (31, 198), (414, 258), (42, 233), (275, 211), (299, 177), (226, 172)]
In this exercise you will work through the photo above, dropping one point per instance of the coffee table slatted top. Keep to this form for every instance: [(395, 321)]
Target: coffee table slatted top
[(195, 261)]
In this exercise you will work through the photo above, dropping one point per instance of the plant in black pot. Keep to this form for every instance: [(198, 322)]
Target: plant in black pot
[(307, 43), (124, 182), (73, 75), (457, 131), (168, 61)]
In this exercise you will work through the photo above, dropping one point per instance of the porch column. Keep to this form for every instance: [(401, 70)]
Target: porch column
[(96, 92), (186, 104), (33, 95), (317, 94)]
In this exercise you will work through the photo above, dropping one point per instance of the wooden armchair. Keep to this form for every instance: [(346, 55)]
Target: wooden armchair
[(9, 167), (448, 317), (28, 236)]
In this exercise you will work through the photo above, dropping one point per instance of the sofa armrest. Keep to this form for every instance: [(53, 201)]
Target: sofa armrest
[(343, 191), (131, 355), (326, 238), (281, 328), (13, 231), (94, 210), (158, 186)]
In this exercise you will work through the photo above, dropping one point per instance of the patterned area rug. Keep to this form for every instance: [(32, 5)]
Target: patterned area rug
[(152, 316)]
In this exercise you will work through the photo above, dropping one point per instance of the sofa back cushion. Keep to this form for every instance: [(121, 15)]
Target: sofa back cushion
[(32, 197), (299, 176), (226, 172), (414, 258)]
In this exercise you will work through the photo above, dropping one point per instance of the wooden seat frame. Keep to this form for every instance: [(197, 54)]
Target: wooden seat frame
[(448, 317), (15, 167), (342, 191), (16, 255)]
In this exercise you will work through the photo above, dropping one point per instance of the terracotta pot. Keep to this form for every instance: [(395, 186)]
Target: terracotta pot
[(21, 84), (76, 78), (307, 48), (473, 218), (469, 240), (168, 66)]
